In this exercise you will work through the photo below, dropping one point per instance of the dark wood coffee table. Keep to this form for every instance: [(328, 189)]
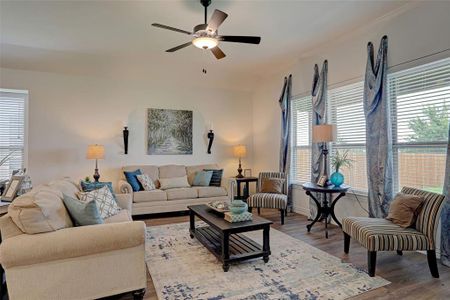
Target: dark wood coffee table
[(223, 239)]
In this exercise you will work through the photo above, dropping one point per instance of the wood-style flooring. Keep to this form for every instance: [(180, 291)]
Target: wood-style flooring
[(409, 274)]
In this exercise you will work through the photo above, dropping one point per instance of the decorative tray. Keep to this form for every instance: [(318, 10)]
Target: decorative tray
[(219, 206)]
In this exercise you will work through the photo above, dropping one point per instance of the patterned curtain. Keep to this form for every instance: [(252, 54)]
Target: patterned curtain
[(445, 216), (319, 116), (285, 158), (378, 132)]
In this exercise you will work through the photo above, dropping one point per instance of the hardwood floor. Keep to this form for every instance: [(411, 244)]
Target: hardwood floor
[(409, 274)]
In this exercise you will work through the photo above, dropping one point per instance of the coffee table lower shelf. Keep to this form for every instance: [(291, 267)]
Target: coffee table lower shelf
[(229, 248)]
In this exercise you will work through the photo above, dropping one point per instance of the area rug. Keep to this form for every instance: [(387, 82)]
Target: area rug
[(182, 268)]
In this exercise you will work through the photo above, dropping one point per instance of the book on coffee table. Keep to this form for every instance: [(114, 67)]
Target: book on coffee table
[(232, 218)]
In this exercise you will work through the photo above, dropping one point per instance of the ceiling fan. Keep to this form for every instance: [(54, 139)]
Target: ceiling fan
[(205, 36)]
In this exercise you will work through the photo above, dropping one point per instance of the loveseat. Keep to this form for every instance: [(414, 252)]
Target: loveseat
[(85, 262), (175, 199)]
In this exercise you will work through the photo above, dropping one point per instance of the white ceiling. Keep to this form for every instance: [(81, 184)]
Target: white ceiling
[(58, 35)]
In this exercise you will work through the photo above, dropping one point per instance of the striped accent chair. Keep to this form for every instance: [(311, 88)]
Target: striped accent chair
[(270, 200), (382, 235)]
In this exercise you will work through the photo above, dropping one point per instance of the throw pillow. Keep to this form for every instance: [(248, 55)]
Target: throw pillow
[(404, 209), (90, 186), (82, 213), (131, 177), (106, 203), (216, 179), (174, 182), (202, 178), (272, 185), (146, 182)]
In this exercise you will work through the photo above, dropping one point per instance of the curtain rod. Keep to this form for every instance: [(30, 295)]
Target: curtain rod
[(389, 67)]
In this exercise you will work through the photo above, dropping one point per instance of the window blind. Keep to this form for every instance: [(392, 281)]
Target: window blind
[(347, 113), (420, 109), (12, 131), (301, 111)]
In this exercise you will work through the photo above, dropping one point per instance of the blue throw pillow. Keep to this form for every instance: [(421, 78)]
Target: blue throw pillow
[(133, 180), (202, 178), (92, 186), (82, 213)]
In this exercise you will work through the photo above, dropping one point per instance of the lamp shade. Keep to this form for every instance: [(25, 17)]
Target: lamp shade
[(95, 152), (324, 133), (240, 151)]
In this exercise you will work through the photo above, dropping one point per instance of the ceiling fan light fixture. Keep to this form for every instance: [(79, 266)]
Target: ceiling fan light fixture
[(205, 42)]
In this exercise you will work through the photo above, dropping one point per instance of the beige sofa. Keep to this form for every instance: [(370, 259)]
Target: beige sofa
[(177, 199), (86, 262)]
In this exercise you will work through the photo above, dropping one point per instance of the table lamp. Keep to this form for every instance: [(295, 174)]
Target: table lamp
[(240, 151), (96, 152), (324, 134)]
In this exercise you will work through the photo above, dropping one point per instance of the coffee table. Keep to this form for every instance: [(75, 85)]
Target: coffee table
[(223, 239)]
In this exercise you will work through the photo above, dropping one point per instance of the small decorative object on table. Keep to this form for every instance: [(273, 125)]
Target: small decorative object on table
[(13, 187), (238, 207), (219, 206), (233, 218), (338, 161), (247, 172)]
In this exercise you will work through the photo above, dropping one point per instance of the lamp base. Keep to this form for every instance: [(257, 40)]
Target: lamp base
[(96, 175), (239, 175)]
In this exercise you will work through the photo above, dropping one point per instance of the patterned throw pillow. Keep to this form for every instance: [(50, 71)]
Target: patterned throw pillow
[(146, 182), (104, 199), (216, 179)]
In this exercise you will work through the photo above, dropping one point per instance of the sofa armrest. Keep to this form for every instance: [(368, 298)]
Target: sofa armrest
[(125, 201), (125, 187), (28, 249)]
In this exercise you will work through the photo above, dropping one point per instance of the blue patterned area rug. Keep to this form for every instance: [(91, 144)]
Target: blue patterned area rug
[(182, 268)]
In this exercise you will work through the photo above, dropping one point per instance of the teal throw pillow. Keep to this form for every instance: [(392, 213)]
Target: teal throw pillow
[(202, 178), (133, 180), (82, 213), (91, 186)]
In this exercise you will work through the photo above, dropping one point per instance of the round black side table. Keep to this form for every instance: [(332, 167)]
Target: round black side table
[(325, 209)]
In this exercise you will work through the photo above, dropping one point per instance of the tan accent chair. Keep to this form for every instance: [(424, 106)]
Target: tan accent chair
[(86, 262)]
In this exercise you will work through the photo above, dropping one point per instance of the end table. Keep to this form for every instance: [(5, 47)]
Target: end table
[(324, 209), (245, 194)]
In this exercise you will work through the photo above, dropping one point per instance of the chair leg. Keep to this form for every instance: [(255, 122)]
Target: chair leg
[(282, 216), (139, 294), (250, 209), (431, 256), (286, 212), (259, 211), (371, 262), (346, 243), (399, 252)]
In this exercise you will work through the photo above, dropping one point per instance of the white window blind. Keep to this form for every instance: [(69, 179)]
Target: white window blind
[(347, 112), (12, 131), (420, 108), (301, 109)]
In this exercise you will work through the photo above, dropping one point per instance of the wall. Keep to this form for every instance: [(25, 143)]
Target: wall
[(68, 112), (414, 31)]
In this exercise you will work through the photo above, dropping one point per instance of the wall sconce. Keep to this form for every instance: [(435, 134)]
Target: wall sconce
[(125, 137), (210, 137)]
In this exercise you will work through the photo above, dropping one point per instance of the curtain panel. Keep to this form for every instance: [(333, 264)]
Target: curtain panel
[(445, 215), (319, 116), (378, 132), (285, 147)]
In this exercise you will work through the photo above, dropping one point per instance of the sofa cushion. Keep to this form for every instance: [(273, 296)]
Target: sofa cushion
[(106, 203), (192, 170), (40, 211), (174, 182), (82, 213), (211, 191), (170, 171), (181, 193), (65, 186), (122, 216), (147, 196)]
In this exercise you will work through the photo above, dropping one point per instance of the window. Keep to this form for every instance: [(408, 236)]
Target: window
[(420, 108), (301, 109), (12, 131), (345, 105)]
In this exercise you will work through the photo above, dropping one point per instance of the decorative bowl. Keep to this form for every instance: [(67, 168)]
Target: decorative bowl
[(238, 207)]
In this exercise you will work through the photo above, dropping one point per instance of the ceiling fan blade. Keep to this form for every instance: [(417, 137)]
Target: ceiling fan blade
[(179, 47), (217, 52), (216, 19), (171, 28), (240, 39)]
